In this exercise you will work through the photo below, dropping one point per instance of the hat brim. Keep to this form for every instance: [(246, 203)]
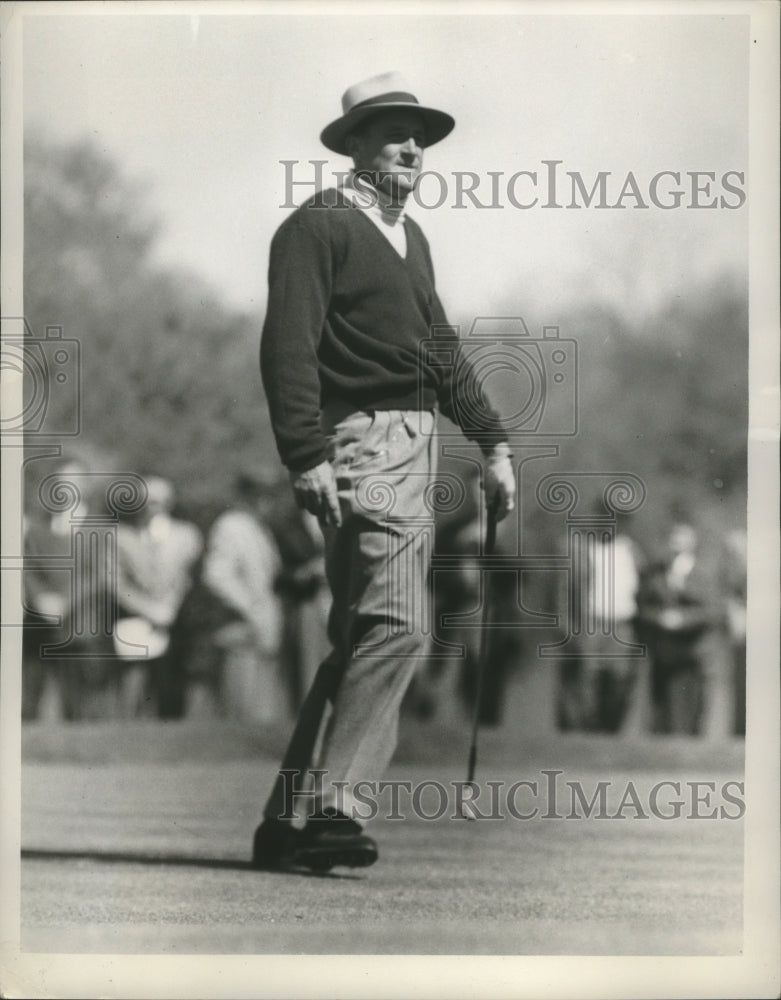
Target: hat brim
[(438, 124)]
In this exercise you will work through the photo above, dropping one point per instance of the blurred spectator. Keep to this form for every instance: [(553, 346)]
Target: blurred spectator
[(446, 685), (156, 554), (734, 573), (445, 681), (597, 689), (179, 548), (242, 566), (67, 668), (306, 599), (48, 593), (681, 618), (196, 652), (502, 635)]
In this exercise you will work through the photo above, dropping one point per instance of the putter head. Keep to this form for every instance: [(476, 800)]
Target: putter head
[(468, 811), (467, 807)]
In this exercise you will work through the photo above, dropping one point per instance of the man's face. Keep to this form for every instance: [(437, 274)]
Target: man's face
[(390, 147)]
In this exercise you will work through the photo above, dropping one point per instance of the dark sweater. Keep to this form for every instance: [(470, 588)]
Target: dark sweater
[(345, 320)]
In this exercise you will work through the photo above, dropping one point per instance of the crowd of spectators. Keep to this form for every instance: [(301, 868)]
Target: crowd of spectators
[(145, 613), (680, 618)]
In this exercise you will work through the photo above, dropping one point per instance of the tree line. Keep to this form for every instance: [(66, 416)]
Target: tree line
[(169, 373)]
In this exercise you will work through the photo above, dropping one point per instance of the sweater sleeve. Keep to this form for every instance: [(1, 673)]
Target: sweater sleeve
[(460, 395), (299, 281)]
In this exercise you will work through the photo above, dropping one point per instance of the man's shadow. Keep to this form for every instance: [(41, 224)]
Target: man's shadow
[(172, 860)]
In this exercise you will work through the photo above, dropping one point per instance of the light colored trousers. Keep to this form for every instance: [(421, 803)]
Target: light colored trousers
[(377, 567)]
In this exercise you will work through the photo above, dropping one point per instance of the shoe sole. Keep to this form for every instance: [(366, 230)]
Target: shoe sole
[(273, 865)]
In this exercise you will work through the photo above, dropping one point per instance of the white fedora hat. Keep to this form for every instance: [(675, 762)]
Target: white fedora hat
[(380, 93)]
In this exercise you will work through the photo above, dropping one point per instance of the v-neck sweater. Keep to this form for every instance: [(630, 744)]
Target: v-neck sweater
[(349, 320)]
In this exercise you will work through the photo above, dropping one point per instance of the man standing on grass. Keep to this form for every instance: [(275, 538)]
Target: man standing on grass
[(353, 405)]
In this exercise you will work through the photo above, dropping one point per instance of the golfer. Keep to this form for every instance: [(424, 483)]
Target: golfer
[(353, 401)]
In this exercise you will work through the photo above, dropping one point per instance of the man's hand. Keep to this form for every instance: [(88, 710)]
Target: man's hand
[(315, 491), (499, 481)]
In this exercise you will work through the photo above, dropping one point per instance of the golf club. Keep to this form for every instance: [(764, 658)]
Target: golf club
[(488, 550)]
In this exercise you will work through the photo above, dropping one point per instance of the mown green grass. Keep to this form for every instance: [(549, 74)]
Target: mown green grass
[(136, 838)]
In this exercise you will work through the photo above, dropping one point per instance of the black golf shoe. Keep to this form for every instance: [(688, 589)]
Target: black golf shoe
[(329, 839), (274, 845)]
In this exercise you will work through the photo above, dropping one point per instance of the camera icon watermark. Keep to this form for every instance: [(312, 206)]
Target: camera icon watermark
[(41, 381), (500, 369)]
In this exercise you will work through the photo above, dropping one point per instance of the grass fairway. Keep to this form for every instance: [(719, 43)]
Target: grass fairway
[(136, 838)]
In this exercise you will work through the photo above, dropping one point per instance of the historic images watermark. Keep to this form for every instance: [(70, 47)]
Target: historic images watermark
[(532, 381), (547, 795), (539, 406), (538, 374), (48, 374), (550, 185), (74, 611)]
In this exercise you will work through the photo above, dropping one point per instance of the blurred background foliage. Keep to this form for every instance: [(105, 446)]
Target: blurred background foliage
[(170, 381), (169, 376)]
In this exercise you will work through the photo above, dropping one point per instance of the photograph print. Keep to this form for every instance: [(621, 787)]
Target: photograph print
[(385, 432)]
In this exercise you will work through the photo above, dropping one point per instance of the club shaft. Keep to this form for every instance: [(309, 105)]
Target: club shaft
[(488, 550)]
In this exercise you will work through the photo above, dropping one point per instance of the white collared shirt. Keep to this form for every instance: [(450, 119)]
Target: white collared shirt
[(389, 223)]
